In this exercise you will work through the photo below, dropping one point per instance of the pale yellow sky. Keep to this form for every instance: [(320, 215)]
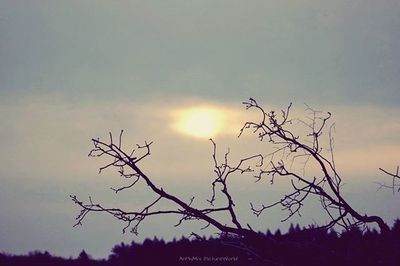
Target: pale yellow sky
[(366, 137)]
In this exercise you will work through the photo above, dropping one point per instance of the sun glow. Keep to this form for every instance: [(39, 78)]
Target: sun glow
[(200, 122)]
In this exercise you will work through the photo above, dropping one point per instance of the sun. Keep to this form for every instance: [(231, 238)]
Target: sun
[(200, 121)]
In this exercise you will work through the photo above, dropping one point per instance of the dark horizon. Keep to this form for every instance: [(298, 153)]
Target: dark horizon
[(306, 246)]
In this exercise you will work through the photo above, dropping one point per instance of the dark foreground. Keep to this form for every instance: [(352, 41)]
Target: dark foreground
[(297, 247)]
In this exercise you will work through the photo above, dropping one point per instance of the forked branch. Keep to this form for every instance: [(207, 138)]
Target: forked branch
[(127, 165), (395, 184), (289, 147)]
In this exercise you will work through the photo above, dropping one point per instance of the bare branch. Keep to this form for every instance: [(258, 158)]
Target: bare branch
[(395, 179), (276, 130), (128, 167)]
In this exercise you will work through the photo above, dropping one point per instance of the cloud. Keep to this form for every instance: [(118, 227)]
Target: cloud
[(315, 51), (49, 137)]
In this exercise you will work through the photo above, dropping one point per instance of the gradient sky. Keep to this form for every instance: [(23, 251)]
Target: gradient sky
[(73, 70)]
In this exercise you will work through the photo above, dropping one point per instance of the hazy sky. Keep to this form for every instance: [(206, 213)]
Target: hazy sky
[(73, 70)]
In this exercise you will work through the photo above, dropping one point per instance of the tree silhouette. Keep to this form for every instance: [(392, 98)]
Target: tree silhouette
[(299, 246), (289, 147), (83, 256)]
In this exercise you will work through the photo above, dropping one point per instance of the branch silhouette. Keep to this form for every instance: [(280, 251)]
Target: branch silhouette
[(127, 165), (288, 149), (395, 185)]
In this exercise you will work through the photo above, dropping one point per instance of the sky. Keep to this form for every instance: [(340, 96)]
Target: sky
[(73, 70)]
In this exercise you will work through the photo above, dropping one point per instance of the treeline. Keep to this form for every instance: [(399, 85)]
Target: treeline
[(300, 246)]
